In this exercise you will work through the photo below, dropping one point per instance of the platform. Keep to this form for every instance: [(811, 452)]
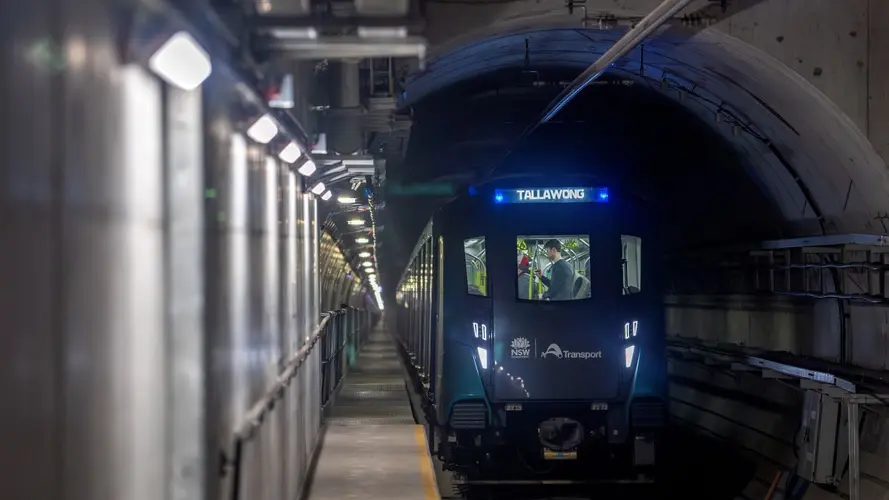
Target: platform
[(372, 447)]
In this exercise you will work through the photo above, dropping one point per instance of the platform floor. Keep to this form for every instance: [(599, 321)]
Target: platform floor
[(372, 447)]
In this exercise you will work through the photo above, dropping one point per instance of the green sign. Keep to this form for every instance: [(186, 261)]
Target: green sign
[(421, 189)]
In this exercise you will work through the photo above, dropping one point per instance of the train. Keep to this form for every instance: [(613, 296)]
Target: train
[(532, 331)]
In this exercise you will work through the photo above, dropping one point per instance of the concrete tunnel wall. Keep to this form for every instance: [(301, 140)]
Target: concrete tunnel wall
[(806, 77), (156, 267)]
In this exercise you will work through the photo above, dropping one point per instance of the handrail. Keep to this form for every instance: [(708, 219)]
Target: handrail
[(257, 412), (331, 371)]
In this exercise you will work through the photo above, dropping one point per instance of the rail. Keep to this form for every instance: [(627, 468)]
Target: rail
[(281, 430)]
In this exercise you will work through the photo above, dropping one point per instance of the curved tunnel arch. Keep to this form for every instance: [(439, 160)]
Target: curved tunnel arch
[(808, 156)]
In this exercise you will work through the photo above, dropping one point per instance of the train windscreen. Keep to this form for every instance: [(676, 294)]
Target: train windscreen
[(552, 267)]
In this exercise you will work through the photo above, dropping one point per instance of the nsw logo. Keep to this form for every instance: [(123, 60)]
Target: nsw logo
[(520, 348)]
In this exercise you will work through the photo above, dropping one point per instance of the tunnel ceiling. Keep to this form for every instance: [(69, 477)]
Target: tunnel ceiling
[(814, 172)]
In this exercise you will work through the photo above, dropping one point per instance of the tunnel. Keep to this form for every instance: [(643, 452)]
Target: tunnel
[(728, 146), (211, 212)]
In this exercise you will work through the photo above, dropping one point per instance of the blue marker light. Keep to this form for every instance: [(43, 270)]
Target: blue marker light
[(603, 194), (473, 191), (498, 197)]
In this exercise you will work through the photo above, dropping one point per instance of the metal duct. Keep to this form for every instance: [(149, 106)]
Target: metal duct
[(344, 132)]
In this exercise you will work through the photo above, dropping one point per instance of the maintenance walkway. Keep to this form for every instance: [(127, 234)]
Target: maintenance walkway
[(372, 447)]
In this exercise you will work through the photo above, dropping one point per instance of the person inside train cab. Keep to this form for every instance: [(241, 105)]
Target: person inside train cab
[(524, 278), (560, 284)]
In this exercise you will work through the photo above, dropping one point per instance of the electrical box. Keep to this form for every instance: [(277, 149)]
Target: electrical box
[(823, 444)]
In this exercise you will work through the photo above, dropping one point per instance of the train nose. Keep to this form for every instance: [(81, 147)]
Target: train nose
[(560, 434)]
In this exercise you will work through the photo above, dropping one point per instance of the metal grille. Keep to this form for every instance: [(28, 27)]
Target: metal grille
[(469, 415)]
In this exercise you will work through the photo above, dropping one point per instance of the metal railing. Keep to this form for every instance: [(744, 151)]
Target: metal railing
[(274, 445)]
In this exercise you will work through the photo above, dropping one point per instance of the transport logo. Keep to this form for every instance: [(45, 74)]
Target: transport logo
[(520, 348), (556, 351), (553, 349)]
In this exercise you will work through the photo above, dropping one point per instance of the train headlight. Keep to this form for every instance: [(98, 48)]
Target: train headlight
[(629, 351), (630, 329), (480, 330), (483, 357)]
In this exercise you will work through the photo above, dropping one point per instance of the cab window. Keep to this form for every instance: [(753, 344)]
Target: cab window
[(631, 253), (476, 267), (552, 267)]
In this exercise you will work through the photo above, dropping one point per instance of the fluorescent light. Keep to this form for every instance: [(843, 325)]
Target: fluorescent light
[(367, 263), (364, 255), (355, 222), (346, 200), (264, 130), (362, 241), (382, 32), (318, 188), (326, 196), (370, 272), (308, 168), (181, 62), (291, 153), (628, 355)]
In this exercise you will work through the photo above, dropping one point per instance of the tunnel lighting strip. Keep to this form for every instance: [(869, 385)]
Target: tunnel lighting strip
[(373, 228)]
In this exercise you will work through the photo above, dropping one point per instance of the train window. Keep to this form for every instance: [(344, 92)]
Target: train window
[(553, 267), (631, 252), (476, 267)]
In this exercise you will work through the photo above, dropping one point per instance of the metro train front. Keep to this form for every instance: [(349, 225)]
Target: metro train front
[(553, 338)]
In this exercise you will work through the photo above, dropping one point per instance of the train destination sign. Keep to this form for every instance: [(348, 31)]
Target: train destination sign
[(552, 195)]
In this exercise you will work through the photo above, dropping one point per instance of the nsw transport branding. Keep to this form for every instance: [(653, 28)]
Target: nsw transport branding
[(521, 348)]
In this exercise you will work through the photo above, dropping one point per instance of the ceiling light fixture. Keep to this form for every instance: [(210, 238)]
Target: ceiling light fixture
[(263, 130), (308, 168), (181, 62), (290, 153), (318, 188)]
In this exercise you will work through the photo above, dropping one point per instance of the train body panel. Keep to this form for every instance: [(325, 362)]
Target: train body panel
[(529, 321)]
